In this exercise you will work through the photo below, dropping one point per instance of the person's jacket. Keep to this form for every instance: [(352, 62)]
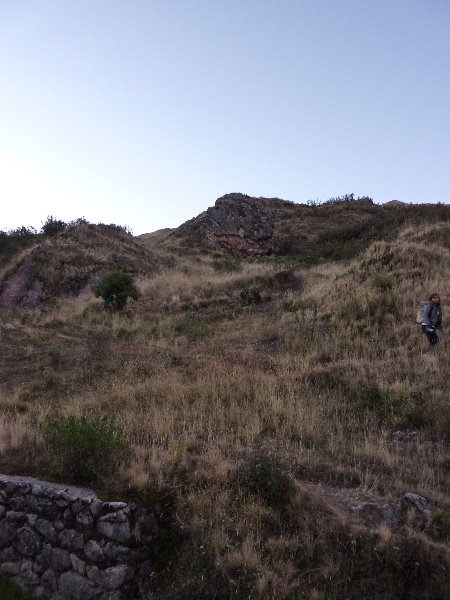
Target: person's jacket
[(431, 316)]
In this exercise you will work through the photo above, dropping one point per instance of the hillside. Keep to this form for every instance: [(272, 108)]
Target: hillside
[(275, 391)]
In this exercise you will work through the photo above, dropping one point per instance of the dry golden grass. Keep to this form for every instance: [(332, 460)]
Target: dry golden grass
[(318, 377)]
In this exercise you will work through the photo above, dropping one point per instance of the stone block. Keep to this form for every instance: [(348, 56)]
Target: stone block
[(77, 587)]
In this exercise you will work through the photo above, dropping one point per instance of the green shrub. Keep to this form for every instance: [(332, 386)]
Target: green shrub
[(291, 305), (53, 226), (263, 476), (83, 451), (250, 295), (193, 327), (382, 282), (116, 287), (175, 360), (226, 264)]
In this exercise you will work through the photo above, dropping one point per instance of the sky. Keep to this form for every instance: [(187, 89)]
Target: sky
[(144, 112)]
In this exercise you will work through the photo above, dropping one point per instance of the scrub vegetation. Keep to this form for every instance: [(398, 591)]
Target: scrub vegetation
[(257, 400)]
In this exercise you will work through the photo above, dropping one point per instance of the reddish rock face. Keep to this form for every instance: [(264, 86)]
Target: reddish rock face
[(238, 224)]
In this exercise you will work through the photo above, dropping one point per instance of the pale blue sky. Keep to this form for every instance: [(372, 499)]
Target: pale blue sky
[(143, 112)]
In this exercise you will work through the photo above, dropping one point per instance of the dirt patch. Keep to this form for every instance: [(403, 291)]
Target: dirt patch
[(18, 290)]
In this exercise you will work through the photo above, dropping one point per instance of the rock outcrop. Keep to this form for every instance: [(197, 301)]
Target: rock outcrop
[(240, 225)]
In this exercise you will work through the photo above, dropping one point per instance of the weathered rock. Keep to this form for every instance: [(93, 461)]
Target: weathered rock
[(114, 577), (71, 539), (115, 526), (10, 568), (27, 542), (56, 558), (78, 565), (93, 551), (7, 532), (27, 574), (77, 587), (94, 573), (239, 224), (415, 502), (39, 593), (17, 517), (96, 508), (84, 519), (49, 581), (46, 529)]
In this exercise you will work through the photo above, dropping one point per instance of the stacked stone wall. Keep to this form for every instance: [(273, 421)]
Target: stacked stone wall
[(57, 544)]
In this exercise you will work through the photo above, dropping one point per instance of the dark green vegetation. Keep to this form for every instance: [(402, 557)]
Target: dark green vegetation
[(262, 398), (115, 288), (82, 450), (9, 591)]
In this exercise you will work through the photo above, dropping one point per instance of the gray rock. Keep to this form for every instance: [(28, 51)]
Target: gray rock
[(416, 502), (46, 529), (10, 568), (49, 581), (7, 533), (77, 587), (8, 554), (93, 573), (68, 519), (31, 520), (117, 595), (115, 552), (370, 513), (84, 519), (114, 577), (56, 558), (15, 516), (78, 565), (37, 490), (39, 593), (113, 506), (77, 506), (239, 224), (71, 539), (96, 508), (93, 551), (58, 525), (2, 511), (27, 542), (115, 526), (28, 576)]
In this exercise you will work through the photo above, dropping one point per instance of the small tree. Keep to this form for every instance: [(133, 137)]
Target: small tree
[(115, 288)]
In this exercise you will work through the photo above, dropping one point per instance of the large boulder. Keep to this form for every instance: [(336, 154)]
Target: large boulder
[(240, 225)]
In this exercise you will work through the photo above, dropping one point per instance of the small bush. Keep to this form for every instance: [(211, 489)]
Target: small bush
[(250, 295), (83, 451), (264, 476), (194, 327), (291, 305), (382, 282), (115, 288), (227, 264), (175, 360), (53, 226)]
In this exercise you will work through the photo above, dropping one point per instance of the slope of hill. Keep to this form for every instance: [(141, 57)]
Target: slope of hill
[(280, 409)]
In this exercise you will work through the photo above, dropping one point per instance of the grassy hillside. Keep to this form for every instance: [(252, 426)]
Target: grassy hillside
[(261, 399)]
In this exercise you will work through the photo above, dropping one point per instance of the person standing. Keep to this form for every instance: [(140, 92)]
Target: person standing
[(432, 319)]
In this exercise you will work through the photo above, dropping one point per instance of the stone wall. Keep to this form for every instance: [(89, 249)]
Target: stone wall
[(65, 543)]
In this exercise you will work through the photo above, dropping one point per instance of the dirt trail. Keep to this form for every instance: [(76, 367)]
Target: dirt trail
[(15, 291)]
